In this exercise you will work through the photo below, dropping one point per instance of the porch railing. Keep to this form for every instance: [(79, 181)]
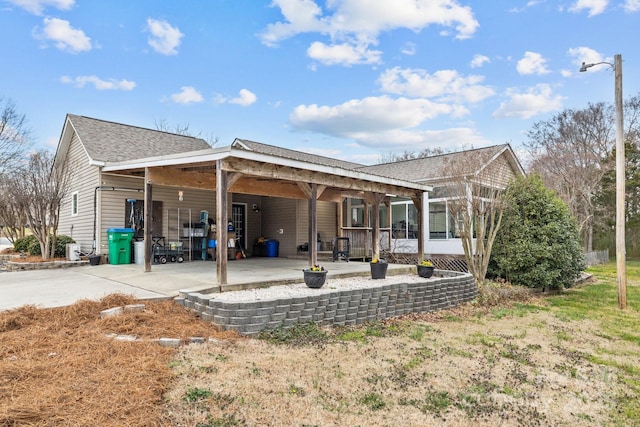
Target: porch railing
[(361, 243)]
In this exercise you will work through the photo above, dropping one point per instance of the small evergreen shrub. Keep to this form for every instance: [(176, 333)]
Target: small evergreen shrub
[(22, 244), (31, 245)]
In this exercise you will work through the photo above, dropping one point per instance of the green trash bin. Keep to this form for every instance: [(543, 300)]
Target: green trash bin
[(120, 245)]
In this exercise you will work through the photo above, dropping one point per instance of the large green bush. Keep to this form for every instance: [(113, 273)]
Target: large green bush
[(538, 244), (31, 245)]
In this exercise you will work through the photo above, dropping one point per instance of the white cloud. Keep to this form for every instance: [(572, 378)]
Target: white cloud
[(535, 100), (595, 7), (187, 95), (410, 49), (447, 85), (532, 63), (37, 6), (344, 54), (358, 23), (98, 83), (164, 39), (245, 99), (370, 121), (64, 36), (631, 6), (479, 61)]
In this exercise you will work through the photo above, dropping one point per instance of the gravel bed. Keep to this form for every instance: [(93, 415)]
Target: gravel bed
[(301, 290)]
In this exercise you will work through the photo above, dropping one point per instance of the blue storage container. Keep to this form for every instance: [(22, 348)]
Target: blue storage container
[(211, 243), (272, 248)]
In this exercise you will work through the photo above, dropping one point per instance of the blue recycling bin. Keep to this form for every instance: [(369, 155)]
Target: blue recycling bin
[(272, 248)]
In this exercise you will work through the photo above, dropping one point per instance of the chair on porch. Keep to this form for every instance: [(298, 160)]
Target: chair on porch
[(341, 248)]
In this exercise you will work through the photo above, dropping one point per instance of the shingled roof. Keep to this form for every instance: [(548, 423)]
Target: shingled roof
[(436, 167), (115, 142), (272, 150)]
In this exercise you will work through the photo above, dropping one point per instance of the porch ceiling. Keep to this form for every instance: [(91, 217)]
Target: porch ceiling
[(270, 177)]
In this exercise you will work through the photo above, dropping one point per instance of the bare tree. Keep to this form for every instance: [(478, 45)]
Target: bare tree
[(571, 154), (40, 189), (183, 129), (12, 217), (14, 135), (410, 154), (476, 205)]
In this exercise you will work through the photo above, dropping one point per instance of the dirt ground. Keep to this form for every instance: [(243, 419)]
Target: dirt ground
[(470, 366)]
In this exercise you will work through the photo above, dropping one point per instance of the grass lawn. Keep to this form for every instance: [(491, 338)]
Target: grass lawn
[(566, 359)]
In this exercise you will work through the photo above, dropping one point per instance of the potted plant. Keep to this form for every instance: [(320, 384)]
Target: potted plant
[(425, 269), (378, 268), (315, 276)]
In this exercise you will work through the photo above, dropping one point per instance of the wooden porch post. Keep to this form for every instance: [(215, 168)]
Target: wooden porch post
[(375, 199), (148, 220), (221, 223), (313, 225), (418, 202), (340, 217)]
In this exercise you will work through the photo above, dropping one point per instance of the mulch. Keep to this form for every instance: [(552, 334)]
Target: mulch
[(58, 366)]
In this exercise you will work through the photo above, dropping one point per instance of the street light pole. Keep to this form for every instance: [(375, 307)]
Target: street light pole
[(620, 182)]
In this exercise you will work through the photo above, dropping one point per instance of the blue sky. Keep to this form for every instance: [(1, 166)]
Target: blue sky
[(351, 79)]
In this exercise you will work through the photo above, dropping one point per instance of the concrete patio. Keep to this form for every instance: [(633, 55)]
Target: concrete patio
[(60, 287)]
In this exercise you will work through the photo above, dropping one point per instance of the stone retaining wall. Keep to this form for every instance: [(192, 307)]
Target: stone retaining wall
[(24, 266), (347, 307)]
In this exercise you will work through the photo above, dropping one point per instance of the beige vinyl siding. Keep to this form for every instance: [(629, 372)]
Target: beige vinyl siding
[(326, 217), (84, 179), (279, 213), (112, 204)]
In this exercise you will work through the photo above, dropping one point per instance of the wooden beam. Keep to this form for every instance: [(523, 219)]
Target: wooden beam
[(418, 202), (313, 225), (271, 188), (148, 220), (305, 188), (376, 199), (173, 177), (268, 170), (221, 224)]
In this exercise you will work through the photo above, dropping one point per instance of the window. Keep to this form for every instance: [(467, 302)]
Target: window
[(74, 203), (438, 220), (404, 217)]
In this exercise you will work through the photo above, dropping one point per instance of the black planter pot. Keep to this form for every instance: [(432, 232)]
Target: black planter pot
[(94, 259), (425, 271), (314, 279), (378, 269)]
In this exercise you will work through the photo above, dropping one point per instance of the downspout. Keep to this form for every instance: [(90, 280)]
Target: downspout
[(95, 208)]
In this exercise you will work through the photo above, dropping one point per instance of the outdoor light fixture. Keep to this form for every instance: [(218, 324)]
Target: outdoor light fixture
[(180, 195), (256, 208), (620, 181)]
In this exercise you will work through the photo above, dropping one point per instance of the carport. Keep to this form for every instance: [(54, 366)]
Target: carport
[(241, 168)]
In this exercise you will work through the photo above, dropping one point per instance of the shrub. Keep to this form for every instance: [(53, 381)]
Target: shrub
[(31, 245), (22, 244), (538, 244)]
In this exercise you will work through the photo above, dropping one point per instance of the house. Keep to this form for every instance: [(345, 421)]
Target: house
[(126, 176), (491, 166)]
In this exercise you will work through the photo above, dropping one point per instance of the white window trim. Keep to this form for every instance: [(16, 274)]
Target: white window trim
[(74, 196)]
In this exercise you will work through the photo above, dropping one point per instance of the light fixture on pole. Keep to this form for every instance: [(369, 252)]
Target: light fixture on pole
[(620, 181)]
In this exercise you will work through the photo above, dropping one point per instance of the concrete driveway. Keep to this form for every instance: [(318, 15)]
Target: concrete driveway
[(60, 287)]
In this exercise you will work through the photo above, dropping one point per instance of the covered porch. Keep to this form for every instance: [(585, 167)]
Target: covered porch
[(240, 169)]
